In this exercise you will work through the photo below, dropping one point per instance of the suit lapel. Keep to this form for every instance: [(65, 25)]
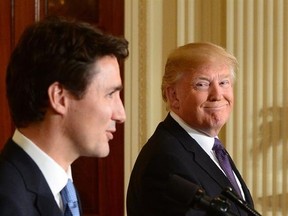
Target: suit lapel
[(202, 159), (34, 180), (200, 156)]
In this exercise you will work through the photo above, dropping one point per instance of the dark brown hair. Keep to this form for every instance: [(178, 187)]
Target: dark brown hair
[(51, 50)]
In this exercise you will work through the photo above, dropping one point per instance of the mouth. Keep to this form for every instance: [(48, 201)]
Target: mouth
[(216, 107), (110, 134)]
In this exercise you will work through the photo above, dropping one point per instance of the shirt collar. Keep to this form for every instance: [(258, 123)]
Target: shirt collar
[(54, 174), (206, 142)]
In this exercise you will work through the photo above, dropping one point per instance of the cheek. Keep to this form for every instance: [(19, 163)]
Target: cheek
[(231, 101), (93, 114), (230, 94), (101, 114), (196, 100)]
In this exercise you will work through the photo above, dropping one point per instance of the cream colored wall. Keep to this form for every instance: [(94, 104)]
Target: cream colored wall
[(256, 32)]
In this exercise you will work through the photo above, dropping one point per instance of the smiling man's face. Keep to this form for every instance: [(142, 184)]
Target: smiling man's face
[(92, 120), (203, 98)]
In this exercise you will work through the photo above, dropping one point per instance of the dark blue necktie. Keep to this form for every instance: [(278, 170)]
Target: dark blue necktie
[(224, 163), (69, 198)]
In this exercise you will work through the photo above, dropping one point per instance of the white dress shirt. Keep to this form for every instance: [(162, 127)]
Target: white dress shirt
[(205, 142), (54, 174)]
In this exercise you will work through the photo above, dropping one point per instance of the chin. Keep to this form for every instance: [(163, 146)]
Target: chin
[(98, 152), (104, 153)]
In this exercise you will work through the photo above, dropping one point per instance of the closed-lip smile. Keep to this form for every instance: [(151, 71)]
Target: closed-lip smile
[(219, 106)]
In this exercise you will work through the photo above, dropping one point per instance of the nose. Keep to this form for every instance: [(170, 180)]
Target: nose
[(215, 92), (119, 113)]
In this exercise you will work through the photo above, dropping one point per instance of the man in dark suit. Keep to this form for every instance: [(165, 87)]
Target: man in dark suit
[(63, 88), (198, 89)]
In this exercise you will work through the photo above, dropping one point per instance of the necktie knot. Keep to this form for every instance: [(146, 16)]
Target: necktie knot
[(69, 198), (217, 145), (219, 148)]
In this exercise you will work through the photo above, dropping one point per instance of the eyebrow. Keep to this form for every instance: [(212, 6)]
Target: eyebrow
[(117, 88), (208, 79), (202, 78)]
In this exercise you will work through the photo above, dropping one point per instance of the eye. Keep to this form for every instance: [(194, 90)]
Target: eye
[(225, 83), (114, 91), (111, 94), (201, 85)]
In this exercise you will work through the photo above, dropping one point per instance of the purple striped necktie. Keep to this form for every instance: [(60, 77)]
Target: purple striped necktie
[(223, 159)]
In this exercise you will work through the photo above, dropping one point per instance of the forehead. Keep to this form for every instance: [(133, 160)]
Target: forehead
[(106, 71), (105, 66), (209, 71)]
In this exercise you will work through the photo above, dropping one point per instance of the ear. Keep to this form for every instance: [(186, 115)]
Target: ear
[(172, 97), (57, 97)]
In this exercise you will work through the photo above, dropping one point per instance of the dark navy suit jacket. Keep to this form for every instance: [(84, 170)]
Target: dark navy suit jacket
[(23, 188), (171, 150)]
